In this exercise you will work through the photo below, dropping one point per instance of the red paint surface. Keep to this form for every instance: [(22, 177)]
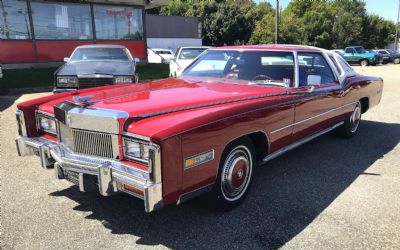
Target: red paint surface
[(16, 51), (55, 51), (137, 48)]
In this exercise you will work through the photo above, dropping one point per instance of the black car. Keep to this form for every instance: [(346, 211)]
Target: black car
[(95, 65), (392, 54)]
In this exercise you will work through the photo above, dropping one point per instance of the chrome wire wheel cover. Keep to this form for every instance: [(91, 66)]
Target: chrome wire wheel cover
[(236, 173), (355, 118)]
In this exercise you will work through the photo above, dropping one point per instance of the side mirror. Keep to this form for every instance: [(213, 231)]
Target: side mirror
[(66, 59), (313, 80), (136, 59)]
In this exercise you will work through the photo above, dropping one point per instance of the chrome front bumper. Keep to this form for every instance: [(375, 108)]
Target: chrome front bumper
[(111, 175)]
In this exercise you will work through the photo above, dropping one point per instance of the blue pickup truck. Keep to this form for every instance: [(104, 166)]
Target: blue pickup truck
[(357, 54)]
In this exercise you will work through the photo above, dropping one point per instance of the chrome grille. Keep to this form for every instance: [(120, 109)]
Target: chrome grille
[(93, 143), (86, 82)]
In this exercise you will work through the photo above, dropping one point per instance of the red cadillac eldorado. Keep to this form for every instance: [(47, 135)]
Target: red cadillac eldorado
[(170, 140)]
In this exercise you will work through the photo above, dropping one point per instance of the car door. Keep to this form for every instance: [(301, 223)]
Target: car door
[(350, 55), (321, 107)]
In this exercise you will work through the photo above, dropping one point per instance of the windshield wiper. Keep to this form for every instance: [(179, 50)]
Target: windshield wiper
[(269, 82)]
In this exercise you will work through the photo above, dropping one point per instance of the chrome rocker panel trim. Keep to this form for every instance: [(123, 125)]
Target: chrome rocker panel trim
[(111, 174), (299, 143)]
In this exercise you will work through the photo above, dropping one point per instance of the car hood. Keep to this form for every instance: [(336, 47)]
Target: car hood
[(167, 96), (96, 67)]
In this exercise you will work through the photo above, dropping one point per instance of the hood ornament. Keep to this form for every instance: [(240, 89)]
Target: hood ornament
[(85, 100)]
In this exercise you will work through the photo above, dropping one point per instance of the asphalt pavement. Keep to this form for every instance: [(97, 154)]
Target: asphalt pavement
[(331, 193)]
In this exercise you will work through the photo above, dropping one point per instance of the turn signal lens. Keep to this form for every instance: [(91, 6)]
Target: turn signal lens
[(199, 159), (133, 190)]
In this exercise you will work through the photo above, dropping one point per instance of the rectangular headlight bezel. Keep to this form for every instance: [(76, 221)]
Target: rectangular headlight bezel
[(143, 147), (67, 81), (41, 115)]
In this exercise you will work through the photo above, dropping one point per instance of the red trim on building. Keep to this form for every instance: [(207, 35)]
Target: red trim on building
[(16, 51), (137, 48), (55, 51)]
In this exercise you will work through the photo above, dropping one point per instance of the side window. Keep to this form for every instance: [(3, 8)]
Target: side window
[(349, 50), (336, 64), (345, 66), (313, 66)]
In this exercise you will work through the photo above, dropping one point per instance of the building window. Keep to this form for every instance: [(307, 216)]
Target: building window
[(118, 23), (61, 21), (14, 20)]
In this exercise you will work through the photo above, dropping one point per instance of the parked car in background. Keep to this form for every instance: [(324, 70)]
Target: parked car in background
[(385, 58), (95, 65), (183, 57), (394, 56), (357, 54), (168, 141), (159, 55), (1, 72)]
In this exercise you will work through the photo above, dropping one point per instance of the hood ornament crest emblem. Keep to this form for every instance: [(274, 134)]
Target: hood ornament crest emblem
[(85, 100)]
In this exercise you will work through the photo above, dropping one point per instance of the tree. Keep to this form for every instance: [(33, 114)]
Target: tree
[(377, 32), (290, 30), (224, 22), (322, 23)]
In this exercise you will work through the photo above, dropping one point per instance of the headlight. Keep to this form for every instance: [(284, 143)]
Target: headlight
[(122, 79), (67, 82), (136, 150), (46, 123)]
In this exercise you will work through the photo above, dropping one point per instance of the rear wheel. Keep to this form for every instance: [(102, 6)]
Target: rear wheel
[(351, 124), (364, 62), (234, 175)]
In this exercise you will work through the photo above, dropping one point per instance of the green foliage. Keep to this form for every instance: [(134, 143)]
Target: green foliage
[(224, 22), (322, 23)]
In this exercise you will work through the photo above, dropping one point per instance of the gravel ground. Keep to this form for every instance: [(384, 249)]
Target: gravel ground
[(345, 196)]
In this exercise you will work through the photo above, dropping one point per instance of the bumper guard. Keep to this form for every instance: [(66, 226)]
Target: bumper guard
[(110, 175)]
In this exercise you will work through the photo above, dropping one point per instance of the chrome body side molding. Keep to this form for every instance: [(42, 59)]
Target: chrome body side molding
[(299, 143)]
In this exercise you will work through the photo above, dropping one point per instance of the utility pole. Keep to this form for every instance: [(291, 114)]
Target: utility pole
[(277, 21), (396, 40)]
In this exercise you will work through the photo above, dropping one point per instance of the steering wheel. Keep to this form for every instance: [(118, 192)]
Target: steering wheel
[(261, 77)]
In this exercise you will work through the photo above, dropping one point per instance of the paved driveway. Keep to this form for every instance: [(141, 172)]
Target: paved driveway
[(329, 193)]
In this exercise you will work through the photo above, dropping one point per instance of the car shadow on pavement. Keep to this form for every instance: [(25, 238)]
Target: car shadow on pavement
[(287, 194), (7, 101)]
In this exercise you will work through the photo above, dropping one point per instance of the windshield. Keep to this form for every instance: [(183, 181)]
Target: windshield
[(360, 50), (191, 53), (257, 67), (86, 54)]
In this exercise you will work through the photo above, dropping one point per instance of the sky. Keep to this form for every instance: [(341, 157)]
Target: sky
[(385, 8)]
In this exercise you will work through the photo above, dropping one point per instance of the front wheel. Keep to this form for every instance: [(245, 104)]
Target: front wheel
[(364, 62), (396, 61), (351, 124), (234, 175)]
